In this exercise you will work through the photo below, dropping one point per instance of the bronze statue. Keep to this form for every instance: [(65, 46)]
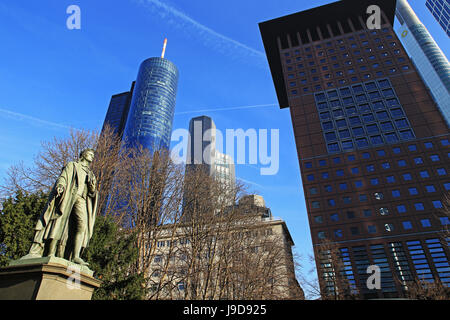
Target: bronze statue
[(67, 223)]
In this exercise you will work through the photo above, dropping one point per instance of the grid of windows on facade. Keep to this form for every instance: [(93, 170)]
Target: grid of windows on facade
[(441, 12), (364, 55), (427, 254), (364, 115)]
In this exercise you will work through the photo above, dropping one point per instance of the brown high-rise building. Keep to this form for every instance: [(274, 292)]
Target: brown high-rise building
[(372, 146)]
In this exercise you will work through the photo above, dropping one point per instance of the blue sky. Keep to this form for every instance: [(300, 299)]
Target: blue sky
[(53, 78)]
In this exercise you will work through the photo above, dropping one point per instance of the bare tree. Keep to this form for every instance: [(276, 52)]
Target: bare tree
[(222, 250), (333, 282)]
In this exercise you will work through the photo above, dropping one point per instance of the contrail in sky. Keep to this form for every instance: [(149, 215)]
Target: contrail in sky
[(33, 120), (208, 35), (227, 108)]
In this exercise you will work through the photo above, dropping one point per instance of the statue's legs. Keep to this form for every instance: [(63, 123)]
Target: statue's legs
[(52, 247), (79, 214)]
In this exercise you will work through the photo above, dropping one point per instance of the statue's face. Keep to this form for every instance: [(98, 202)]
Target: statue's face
[(89, 156)]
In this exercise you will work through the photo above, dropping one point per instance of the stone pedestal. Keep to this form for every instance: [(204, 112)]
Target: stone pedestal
[(47, 278)]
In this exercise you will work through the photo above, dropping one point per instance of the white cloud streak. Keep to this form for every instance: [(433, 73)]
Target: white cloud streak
[(212, 109), (32, 120), (209, 37)]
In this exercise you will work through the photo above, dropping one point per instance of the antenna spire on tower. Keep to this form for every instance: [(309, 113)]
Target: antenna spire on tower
[(164, 48)]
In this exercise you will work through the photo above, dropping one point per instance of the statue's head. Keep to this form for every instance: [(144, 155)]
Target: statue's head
[(87, 154)]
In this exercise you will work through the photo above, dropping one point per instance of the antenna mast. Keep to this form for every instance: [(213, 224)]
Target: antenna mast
[(164, 48)]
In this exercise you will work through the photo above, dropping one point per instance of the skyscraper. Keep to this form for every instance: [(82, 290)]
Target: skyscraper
[(117, 113), (373, 149), (144, 115), (202, 151), (430, 61), (152, 106), (441, 12)]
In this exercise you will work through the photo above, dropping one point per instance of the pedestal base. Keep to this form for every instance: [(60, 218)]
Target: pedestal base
[(47, 278)]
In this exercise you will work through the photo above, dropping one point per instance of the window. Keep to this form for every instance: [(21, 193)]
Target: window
[(347, 145), (358, 184), (330, 136), (321, 235), (374, 181), (430, 188), (372, 229), (308, 165), (447, 186), (362, 198), (407, 225), (424, 174), (310, 177), (325, 175), (401, 123), (334, 217), (437, 204), (354, 230), (351, 157), (412, 147), (445, 221), (336, 160), (381, 153), (328, 188), (372, 128), (418, 160), (401, 208), (395, 193), (347, 200), (316, 204), (413, 191), (374, 95), (390, 179), (407, 177), (419, 206), (361, 143), (385, 165), (340, 173), (396, 150), (318, 219), (341, 123), (401, 163), (425, 223), (343, 186), (338, 233), (370, 168), (434, 157), (358, 131), (367, 212), (322, 163), (313, 190), (327, 125), (366, 155), (376, 140), (350, 214), (387, 126), (445, 142), (441, 172), (397, 112)]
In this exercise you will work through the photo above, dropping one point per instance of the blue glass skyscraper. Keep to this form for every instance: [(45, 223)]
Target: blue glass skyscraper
[(152, 108), (441, 12), (428, 58)]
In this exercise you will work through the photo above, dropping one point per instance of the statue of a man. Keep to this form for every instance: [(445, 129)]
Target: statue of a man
[(67, 223)]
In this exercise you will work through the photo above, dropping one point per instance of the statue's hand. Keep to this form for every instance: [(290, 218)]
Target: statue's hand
[(59, 190), (92, 183)]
